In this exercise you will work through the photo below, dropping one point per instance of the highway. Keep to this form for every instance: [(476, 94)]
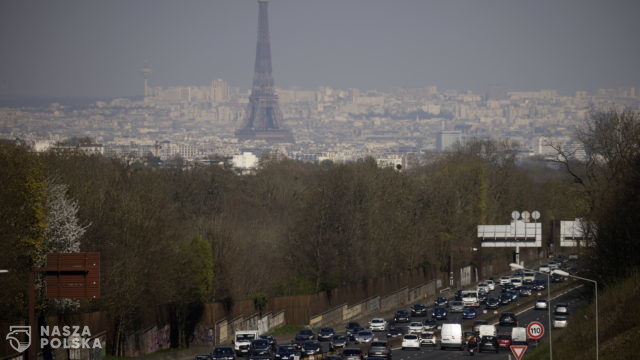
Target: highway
[(575, 298)]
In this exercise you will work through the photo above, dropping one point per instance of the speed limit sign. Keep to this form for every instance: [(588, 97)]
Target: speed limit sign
[(535, 330)]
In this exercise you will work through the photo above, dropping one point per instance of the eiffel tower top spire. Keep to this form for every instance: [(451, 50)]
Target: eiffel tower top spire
[(263, 116)]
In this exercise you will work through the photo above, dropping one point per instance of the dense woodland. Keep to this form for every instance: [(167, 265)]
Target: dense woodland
[(177, 236)]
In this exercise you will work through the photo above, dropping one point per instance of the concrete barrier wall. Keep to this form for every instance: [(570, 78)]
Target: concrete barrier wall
[(277, 320), (394, 299), (352, 311), (372, 304)]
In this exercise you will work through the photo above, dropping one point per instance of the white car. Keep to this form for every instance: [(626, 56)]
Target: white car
[(541, 304), (505, 280), (553, 265), (490, 284), (411, 341), (415, 327), (516, 282), (483, 287), (378, 324), (428, 338), (544, 269), (560, 321)]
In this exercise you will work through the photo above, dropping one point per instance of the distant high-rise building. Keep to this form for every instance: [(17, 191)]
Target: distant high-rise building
[(447, 139), (220, 91), (263, 117), (146, 74)]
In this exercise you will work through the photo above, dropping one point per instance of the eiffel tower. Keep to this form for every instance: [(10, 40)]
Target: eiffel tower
[(263, 118)]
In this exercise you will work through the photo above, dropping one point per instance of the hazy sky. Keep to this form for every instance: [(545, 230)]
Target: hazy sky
[(97, 48)]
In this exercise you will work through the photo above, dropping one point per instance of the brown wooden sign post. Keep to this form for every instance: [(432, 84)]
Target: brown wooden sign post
[(67, 276)]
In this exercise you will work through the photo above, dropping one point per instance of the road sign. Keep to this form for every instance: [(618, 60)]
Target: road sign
[(518, 350), (535, 330)]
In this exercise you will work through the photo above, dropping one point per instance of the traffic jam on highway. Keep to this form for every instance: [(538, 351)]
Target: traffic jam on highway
[(500, 315)]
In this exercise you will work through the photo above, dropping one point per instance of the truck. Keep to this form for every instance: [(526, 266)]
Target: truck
[(242, 341), (519, 336), (486, 330), (451, 336)]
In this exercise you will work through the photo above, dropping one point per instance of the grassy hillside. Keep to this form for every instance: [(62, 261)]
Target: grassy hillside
[(619, 322)]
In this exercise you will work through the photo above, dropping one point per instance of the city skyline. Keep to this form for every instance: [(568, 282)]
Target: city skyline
[(53, 52)]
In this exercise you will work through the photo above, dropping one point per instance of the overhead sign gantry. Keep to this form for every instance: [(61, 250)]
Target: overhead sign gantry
[(521, 232)]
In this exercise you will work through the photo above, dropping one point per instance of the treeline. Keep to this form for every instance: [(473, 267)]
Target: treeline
[(179, 236)]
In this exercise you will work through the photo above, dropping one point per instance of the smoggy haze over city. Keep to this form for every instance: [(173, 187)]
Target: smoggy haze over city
[(97, 48)]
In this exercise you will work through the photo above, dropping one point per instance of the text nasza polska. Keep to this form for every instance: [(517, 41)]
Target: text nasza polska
[(68, 337)]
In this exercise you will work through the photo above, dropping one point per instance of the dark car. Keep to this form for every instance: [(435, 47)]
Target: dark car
[(441, 301), (379, 348), (223, 353), (539, 285), (394, 331), (418, 310), (272, 341), (525, 291), (482, 298), (203, 357), (557, 278), (352, 354), (286, 352), (458, 295), (514, 295), (506, 287), (504, 341), (332, 357), (259, 347), (489, 343), (508, 319), (493, 303), (326, 333), (505, 299), (439, 313), (308, 333), (311, 347), (469, 313), (402, 316), (298, 341), (355, 332), (351, 326), (338, 341)]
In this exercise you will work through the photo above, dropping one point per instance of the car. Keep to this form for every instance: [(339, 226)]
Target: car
[(428, 338), (505, 280), (402, 316), (272, 341), (544, 269), (223, 353), (493, 303), (508, 319), (470, 298), (355, 332), (487, 330), (352, 354), (419, 310), (559, 321), (490, 284), (458, 295), (307, 333), (326, 333), (378, 324), (311, 347), (286, 352), (541, 304), (488, 343), (525, 291), (516, 282), (429, 324), (482, 298), (518, 335), (415, 327), (203, 357), (298, 341), (469, 313), (338, 341), (441, 301), (451, 336), (505, 299), (539, 285), (504, 341), (529, 277), (477, 324), (332, 357), (514, 295), (555, 278), (364, 336), (410, 341), (456, 306), (351, 326), (394, 331), (573, 256), (483, 287), (379, 348), (553, 265), (561, 309), (260, 347), (439, 313)]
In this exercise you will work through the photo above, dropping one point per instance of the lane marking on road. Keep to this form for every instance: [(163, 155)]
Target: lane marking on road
[(552, 298)]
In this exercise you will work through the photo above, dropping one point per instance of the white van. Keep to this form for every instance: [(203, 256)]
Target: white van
[(519, 336), (487, 330), (242, 341), (451, 336), (469, 298)]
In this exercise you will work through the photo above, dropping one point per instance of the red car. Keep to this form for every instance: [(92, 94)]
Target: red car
[(504, 341)]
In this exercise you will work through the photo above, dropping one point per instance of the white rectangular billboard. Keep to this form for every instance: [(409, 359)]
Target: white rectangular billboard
[(518, 233)]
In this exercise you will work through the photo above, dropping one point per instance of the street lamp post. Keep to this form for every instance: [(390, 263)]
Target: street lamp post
[(520, 267), (564, 273)]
